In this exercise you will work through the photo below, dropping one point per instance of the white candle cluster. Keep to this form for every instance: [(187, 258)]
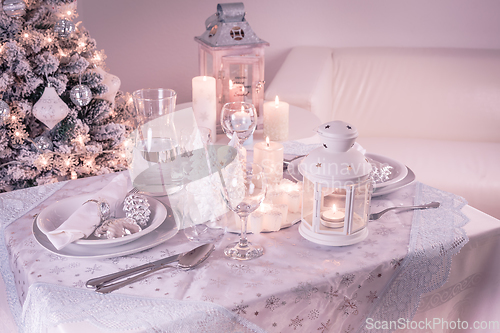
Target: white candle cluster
[(282, 200)]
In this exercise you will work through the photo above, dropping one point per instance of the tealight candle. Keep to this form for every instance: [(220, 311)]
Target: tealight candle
[(204, 103), (269, 155), (276, 120), (333, 217)]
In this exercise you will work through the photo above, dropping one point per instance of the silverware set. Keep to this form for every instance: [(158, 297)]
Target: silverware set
[(187, 260)]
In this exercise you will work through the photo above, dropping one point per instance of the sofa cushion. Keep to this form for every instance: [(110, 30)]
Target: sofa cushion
[(451, 94), (468, 169)]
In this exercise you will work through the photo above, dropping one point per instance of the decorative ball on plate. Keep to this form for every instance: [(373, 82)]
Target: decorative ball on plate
[(14, 8), (136, 206), (80, 95), (116, 228)]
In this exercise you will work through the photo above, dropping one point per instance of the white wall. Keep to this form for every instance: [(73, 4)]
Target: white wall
[(150, 43)]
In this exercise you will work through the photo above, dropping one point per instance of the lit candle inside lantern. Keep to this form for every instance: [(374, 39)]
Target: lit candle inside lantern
[(333, 215), (276, 120), (269, 155), (205, 103)]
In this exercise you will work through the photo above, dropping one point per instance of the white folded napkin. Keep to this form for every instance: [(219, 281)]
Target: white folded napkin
[(84, 220)]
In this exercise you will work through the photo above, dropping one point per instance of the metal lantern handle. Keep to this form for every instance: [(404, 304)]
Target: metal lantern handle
[(231, 12)]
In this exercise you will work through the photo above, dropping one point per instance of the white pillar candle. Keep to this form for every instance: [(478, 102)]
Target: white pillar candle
[(269, 155), (276, 120), (204, 103)]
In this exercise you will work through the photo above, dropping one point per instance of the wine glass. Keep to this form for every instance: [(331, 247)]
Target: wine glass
[(238, 120), (243, 190)]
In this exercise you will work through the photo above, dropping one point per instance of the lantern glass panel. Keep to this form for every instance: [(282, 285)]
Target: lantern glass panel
[(240, 84), (209, 65), (307, 201)]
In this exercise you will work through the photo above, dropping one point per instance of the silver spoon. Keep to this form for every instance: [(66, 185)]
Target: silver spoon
[(186, 261), (376, 216)]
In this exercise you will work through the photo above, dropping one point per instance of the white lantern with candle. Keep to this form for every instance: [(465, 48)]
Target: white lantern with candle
[(231, 52), (337, 188)]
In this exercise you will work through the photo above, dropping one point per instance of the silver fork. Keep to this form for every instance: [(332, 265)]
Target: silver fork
[(376, 216)]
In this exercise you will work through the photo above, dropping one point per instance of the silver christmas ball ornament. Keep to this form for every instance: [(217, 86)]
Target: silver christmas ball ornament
[(64, 28), (4, 111), (14, 8), (80, 95), (136, 206), (42, 143)]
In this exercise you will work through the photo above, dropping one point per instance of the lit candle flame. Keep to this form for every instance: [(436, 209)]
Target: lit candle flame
[(276, 101), (334, 208), (230, 84), (267, 141)]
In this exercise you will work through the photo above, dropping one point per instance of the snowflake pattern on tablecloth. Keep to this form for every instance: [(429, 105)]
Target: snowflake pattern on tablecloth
[(347, 279), (349, 305), (57, 270), (304, 291), (240, 269), (396, 262), (93, 269), (240, 308), (372, 296), (272, 303), (383, 230), (296, 322), (313, 314), (325, 327), (218, 282), (331, 294)]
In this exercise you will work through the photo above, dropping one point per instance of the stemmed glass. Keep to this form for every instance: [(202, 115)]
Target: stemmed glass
[(238, 120), (244, 189)]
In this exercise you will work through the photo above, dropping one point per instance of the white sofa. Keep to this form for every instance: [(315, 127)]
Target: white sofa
[(435, 110)]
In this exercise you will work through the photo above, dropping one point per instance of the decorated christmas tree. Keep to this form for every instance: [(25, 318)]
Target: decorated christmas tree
[(62, 115)]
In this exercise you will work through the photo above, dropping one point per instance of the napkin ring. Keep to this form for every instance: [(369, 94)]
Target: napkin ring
[(103, 208)]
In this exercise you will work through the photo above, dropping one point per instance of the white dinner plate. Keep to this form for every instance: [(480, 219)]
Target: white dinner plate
[(398, 172), (409, 179), (55, 214), (162, 233)]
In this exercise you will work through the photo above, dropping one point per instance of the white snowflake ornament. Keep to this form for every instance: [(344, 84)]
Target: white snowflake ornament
[(50, 108)]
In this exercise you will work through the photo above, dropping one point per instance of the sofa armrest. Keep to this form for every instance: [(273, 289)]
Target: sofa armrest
[(305, 79)]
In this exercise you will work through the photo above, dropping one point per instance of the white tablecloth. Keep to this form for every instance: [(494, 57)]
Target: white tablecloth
[(295, 286)]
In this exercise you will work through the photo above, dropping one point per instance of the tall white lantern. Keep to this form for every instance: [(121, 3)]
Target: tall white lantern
[(337, 188), (232, 53)]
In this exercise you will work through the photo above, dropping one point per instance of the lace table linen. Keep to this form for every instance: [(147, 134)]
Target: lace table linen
[(296, 286)]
